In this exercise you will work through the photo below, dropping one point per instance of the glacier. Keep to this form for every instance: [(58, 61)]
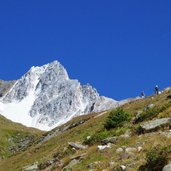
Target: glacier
[(45, 97)]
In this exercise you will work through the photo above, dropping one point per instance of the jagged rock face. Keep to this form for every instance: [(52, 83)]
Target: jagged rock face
[(5, 86), (50, 98)]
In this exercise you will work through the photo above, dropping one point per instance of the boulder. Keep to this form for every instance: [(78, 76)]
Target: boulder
[(33, 167), (167, 168), (77, 146), (119, 150), (109, 140), (127, 134), (70, 165), (154, 125), (102, 147), (150, 106), (139, 149), (130, 150), (74, 160), (81, 156), (43, 165), (123, 167)]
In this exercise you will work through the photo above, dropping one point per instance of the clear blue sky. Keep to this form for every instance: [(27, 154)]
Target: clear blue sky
[(120, 47)]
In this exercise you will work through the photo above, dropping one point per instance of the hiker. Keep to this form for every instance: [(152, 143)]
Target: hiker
[(156, 89), (142, 94)]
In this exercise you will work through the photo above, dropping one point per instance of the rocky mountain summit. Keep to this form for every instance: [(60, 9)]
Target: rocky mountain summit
[(46, 97)]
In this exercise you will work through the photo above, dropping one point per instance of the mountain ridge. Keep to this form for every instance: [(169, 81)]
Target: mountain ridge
[(46, 97)]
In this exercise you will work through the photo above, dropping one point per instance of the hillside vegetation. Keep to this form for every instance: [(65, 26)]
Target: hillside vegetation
[(134, 137), (15, 137)]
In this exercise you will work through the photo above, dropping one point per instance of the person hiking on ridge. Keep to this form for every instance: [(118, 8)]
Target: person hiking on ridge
[(142, 94), (156, 89)]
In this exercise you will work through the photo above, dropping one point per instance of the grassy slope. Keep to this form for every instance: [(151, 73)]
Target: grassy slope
[(57, 144), (11, 134)]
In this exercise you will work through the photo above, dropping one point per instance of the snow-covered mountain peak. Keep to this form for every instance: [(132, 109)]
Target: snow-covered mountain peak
[(45, 97), (36, 79), (53, 69)]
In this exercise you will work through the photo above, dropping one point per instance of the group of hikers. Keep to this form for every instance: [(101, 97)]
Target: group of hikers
[(156, 91)]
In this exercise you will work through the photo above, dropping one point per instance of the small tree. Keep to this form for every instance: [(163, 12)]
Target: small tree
[(116, 118)]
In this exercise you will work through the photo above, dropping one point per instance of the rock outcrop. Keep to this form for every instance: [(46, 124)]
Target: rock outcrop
[(156, 124)]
